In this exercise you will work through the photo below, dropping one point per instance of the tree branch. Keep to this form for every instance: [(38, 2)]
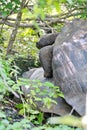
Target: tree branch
[(16, 26)]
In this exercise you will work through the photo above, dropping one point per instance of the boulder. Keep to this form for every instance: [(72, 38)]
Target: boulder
[(46, 40), (61, 108), (45, 56), (69, 64)]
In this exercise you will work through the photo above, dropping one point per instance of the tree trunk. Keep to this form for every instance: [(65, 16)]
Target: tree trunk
[(14, 32)]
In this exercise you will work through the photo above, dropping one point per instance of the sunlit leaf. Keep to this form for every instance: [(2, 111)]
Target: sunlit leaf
[(70, 2), (2, 114)]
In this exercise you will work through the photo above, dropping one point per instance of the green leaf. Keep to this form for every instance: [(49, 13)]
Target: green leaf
[(20, 106), (4, 14), (61, 95), (70, 2), (38, 99), (49, 84), (21, 112), (2, 115), (5, 122), (31, 101), (25, 10), (2, 127), (57, 6)]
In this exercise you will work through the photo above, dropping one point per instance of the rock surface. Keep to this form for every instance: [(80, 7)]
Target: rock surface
[(70, 64)]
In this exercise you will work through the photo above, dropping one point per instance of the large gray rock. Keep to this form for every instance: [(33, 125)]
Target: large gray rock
[(46, 40), (61, 108), (70, 64)]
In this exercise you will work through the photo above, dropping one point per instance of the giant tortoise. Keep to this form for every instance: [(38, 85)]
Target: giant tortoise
[(69, 63)]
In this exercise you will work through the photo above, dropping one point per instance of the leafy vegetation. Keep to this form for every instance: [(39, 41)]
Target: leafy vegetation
[(28, 106), (22, 22)]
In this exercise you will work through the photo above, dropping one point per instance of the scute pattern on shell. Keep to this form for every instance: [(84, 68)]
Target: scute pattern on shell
[(70, 64)]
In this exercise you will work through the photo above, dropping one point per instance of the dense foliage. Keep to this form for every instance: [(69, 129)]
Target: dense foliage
[(8, 7)]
